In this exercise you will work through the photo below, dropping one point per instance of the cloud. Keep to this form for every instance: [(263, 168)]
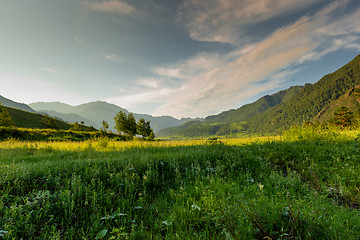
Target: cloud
[(50, 70), (112, 6), (225, 21), (193, 66), (149, 82), (215, 82), (113, 57), (132, 100), (78, 39)]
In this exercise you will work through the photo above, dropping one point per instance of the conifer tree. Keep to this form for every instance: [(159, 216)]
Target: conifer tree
[(343, 118)]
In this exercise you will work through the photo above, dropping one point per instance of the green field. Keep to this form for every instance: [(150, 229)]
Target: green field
[(262, 188)]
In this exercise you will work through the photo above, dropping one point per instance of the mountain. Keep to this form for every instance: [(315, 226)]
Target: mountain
[(9, 103), (250, 110), (94, 113), (68, 117), (232, 121), (308, 102), (283, 110), (26, 119), (55, 106), (351, 100)]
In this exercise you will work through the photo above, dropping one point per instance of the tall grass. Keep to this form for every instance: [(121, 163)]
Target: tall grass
[(223, 189)]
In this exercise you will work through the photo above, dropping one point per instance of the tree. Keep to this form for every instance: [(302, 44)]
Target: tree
[(343, 118), (105, 127), (120, 122), (131, 125), (152, 135), (5, 117), (125, 123), (76, 127), (143, 128), (91, 129), (48, 122)]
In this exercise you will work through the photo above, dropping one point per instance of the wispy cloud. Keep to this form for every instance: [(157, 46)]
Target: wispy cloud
[(112, 6), (78, 39), (130, 101), (224, 80), (50, 70), (149, 82), (113, 57), (225, 21)]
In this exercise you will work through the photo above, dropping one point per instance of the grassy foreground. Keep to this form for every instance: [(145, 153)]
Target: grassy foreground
[(299, 189)]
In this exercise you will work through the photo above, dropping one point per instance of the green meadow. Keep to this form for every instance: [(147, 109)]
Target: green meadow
[(302, 185)]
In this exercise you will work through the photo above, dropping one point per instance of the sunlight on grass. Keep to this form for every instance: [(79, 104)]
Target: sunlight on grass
[(303, 185), (112, 145)]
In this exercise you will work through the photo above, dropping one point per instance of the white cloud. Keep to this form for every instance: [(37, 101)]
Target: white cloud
[(193, 66), (223, 21), (149, 82), (112, 6), (132, 100), (220, 81), (78, 39), (50, 70), (113, 57)]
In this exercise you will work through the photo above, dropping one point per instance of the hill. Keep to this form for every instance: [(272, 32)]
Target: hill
[(351, 100), (308, 102), (26, 119), (93, 113), (9, 103), (250, 110), (282, 110), (55, 106), (232, 121), (68, 117)]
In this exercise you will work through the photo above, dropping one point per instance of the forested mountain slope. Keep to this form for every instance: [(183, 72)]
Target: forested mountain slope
[(282, 110), (253, 109), (308, 102)]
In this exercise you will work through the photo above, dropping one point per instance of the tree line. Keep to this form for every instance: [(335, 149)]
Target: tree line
[(125, 124)]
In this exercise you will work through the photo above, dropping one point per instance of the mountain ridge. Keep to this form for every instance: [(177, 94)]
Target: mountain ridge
[(294, 107), (10, 103), (93, 113)]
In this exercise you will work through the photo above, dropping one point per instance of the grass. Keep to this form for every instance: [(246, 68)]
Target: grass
[(259, 188)]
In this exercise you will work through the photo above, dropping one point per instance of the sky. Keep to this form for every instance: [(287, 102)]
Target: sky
[(181, 58)]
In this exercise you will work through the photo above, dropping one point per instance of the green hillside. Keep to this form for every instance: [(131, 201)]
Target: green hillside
[(307, 103), (283, 110), (25, 119), (232, 122), (250, 110), (350, 100)]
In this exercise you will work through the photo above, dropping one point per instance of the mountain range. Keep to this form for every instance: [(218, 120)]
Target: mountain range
[(270, 114), (93, 113), (282, 110)]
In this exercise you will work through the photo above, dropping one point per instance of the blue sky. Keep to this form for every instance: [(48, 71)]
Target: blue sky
[(171, 57)]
